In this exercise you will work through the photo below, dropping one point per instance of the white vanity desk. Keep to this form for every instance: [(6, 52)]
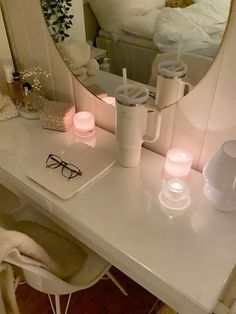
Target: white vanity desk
[(184, 260)]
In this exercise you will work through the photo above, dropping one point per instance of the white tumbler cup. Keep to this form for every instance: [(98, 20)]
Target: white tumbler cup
[(171, 84), (131, 122)]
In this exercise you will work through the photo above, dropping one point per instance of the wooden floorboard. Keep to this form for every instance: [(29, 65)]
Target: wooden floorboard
[(102, 298)]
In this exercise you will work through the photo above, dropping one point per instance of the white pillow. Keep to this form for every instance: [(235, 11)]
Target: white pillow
[(75, 51), (111, 13), (143, 26)]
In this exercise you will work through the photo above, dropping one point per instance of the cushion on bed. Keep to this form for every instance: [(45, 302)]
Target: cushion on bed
[(111, 13), (143, 25)]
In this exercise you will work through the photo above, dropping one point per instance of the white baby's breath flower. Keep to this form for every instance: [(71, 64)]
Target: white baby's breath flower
[(33, 75)]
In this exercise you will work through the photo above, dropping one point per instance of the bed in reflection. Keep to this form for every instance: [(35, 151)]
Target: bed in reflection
[(133, 33)]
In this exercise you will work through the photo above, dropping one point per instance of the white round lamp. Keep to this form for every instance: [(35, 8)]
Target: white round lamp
[(220, 178)]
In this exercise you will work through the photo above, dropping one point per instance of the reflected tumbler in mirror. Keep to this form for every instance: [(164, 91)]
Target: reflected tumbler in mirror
[(220, 178)]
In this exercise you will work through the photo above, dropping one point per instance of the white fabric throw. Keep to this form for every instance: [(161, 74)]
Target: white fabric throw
[(8, 303), (10, 240), (196, 26)]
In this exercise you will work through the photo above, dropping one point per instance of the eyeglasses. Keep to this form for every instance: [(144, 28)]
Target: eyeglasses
[(68, 170)]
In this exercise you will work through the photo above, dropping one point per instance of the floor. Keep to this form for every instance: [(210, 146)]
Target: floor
[(102, 298)]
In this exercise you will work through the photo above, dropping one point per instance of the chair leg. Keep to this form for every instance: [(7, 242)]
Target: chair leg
[(156, 307), (68, 303), (58, 305), (52, 306), (116, 282), (57, 308)]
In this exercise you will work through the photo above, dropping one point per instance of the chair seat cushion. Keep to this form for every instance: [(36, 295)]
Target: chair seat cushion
[(69, 256)]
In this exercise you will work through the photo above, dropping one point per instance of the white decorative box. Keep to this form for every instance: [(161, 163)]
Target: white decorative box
[(57, 115)]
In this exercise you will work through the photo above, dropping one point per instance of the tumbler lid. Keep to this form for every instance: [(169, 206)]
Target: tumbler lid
[(172, 69), (132, 94)]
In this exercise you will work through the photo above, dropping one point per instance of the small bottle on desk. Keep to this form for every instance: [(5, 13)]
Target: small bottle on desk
[(28, 101), (105, 66), (16, 89)]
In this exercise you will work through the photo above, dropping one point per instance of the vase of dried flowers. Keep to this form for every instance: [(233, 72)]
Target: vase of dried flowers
[(33, 92)]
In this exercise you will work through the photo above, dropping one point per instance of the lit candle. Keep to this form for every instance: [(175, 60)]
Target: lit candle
[(176, 187), (110, 100), (84, 124), (175, 194), (178, 163)]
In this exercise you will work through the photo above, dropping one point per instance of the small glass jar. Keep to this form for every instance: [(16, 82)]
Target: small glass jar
[(175, 194)]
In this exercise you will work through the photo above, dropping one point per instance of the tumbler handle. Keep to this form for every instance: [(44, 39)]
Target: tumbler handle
[(157, 125)]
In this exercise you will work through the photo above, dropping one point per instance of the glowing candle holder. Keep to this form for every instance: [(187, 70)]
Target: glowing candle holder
[(84, 124), (110, 100), (178, 163), (175, 194)]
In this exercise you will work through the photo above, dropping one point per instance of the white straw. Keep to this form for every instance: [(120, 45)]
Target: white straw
[(179, 51), (124, 74), (174, 66)]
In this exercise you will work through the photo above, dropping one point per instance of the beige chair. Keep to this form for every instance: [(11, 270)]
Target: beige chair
[(93, 269), (44, 281), (197, 66)]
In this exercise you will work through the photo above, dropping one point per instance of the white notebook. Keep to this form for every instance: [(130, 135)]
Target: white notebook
[(92, 162)]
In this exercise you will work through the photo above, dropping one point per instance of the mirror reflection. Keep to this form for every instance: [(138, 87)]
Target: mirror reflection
[(97, 38)]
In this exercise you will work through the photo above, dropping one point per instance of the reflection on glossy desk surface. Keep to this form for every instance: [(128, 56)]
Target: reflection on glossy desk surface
[(183, 259)]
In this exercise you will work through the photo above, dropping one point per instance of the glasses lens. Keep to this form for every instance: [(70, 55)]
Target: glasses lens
[(53, 161), (70, 171)]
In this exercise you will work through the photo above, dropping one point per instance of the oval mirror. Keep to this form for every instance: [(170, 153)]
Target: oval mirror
[(168, 39)]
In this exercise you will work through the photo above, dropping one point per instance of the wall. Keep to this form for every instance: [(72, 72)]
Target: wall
[(200, 122), (222, 119), (78, 29), (5, 52)]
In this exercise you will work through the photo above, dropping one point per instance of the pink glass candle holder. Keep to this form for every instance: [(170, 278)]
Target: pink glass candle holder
[(178, 163), (84, 124), (110, 100)]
